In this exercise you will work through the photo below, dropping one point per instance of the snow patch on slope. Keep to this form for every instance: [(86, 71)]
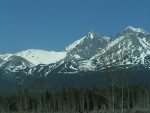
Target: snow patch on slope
[(41, 56), (77, 56), (115, 42), (5, 57), (74, 44), (86, 65), (108, 47), (107, 38), (144, 43), (138, 30)]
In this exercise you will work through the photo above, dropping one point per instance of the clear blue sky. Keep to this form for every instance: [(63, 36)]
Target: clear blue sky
[(53, 24)]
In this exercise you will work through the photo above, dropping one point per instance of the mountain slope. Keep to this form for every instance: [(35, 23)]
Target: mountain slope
[(82, 63), (131, 46), (15, 65), (90, 53), (87, 46)]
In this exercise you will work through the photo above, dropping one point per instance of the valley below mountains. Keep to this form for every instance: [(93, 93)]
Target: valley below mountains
[(87, 62)]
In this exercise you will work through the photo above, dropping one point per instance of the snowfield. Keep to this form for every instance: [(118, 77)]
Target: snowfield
[(41, 56), (36, 56)]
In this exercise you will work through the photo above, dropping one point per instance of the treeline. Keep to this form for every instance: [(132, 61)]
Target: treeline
[(73, 100)]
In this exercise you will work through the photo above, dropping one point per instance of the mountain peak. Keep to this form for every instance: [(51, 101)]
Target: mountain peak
[(92, 34), (137, 30)]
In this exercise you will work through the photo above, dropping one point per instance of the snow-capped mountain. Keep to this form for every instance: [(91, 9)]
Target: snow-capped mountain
[(14, 65), (82, 63), (131, 46), (29, 59), (37, 56), (90, 53), (87, 46)]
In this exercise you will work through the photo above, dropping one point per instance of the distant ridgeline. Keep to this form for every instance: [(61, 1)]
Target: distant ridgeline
[(92, 61)]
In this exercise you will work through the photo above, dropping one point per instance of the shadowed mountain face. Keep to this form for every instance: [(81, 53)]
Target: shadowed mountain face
[(16, 63), (85, 58)]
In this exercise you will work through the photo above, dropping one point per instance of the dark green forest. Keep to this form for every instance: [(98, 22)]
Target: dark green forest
[(114, 92), (110, 99)]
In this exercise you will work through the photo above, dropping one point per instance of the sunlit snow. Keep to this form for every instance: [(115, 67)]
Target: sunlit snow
[(41, 56), (74, 44)]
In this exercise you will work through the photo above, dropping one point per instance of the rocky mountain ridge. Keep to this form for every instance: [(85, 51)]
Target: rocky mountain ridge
[(93, 52)]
